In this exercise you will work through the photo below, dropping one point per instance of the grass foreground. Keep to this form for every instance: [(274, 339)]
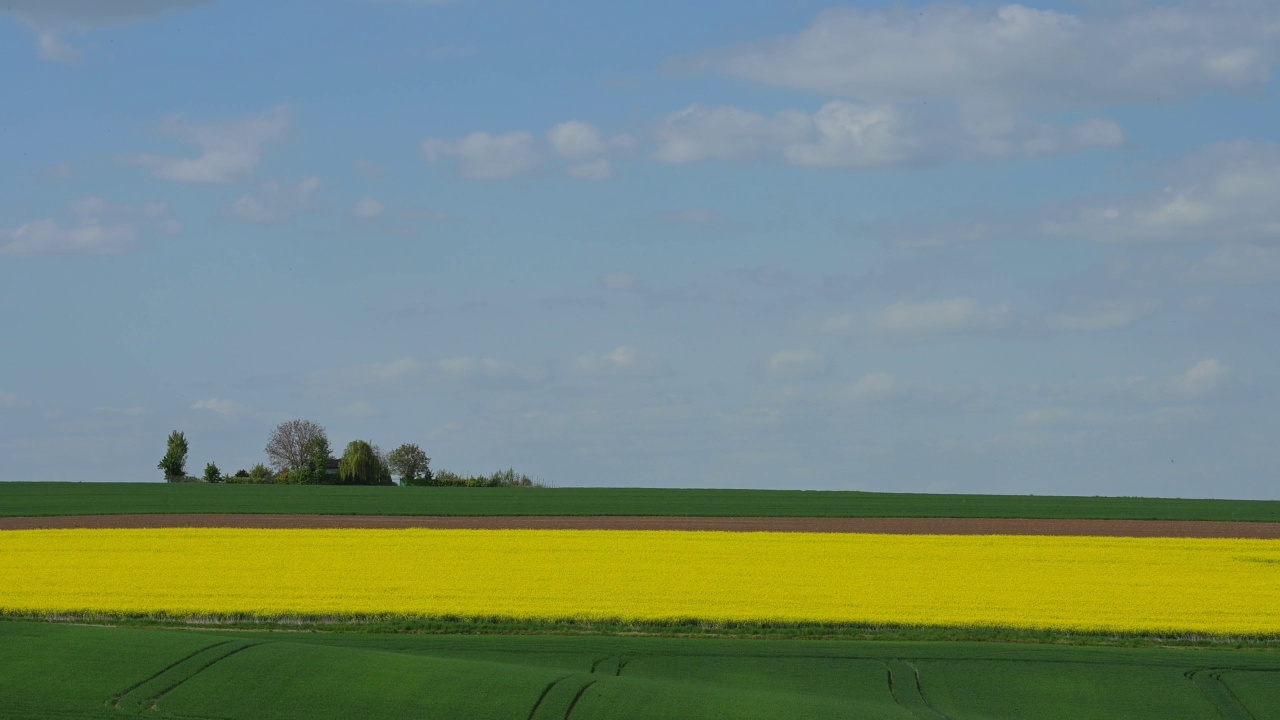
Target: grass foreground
[(69, 671), (55, 498)]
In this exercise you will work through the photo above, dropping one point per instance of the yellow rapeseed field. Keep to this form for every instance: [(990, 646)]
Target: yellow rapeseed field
[(1124, 584)]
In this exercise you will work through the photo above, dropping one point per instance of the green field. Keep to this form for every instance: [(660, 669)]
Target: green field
[(109, 498), (65, 671)]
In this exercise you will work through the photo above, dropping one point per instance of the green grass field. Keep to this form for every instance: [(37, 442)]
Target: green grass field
[(65, 671), (109, 498)]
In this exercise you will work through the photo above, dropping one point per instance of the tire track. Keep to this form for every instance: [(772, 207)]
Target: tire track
[(1216, 691), (144, 695), (560, 697), (906, 690)]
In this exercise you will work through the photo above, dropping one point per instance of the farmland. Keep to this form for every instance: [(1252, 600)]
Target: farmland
[(684, 622), (37, 499), (1130, 585), (115, 672)]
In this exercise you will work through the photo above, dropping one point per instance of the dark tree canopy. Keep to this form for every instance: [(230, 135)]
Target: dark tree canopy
[(410, 463), (290, 446), (174, 462)]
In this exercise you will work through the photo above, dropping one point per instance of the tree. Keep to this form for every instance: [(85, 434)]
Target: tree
[(289, 447), (212, 474), (411, 464), (174, 462), (316, 471), (361, 465)]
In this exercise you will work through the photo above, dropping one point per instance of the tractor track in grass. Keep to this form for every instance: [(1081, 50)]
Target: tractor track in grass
[(905, 526)]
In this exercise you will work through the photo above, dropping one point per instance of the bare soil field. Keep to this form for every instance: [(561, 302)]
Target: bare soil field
[(910, 526)]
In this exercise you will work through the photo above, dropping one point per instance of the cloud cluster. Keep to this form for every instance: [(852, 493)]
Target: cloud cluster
[(1174, 398), (1223, 193), (482, 156), (228, 151), (223, 408), (91, 226), (1020, 56), (46, 18), (847, 134), (956, 316), (797, 363), (274, 202), (622, 361)]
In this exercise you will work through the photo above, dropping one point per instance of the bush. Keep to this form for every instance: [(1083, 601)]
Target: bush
[(212, 474), (501, 478)]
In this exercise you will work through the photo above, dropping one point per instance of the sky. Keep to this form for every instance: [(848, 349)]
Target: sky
[(892, 246)]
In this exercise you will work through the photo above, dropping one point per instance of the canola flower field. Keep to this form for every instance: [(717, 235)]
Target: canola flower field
[(1221, 587)]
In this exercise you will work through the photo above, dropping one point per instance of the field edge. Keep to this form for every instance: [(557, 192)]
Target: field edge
[(391, 625)]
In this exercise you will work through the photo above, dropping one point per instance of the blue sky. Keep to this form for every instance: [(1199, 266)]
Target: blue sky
[(884, 246)]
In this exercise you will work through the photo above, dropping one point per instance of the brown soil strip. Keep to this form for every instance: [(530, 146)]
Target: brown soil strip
[(910, 526)]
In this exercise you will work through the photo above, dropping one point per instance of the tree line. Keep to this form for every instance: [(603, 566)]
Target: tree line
[(299, 453)]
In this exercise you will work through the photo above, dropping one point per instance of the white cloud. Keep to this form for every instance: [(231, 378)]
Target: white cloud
[(1143, 54), (275, 202), (1200, 379), (944, 317), (367, 207), (1102, 316), (11, 400), (1199, 382), (726, 133), (582, 143), (624, 360), (50, 48), (84, 14), (229, 150), (1223, 193), (871, 386), (47, 17), (845, 134), (482, 156), (347, 378), (598, 169), (1237, 264), (577, 140), (95, 227), (225, 408), (799, 363)]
